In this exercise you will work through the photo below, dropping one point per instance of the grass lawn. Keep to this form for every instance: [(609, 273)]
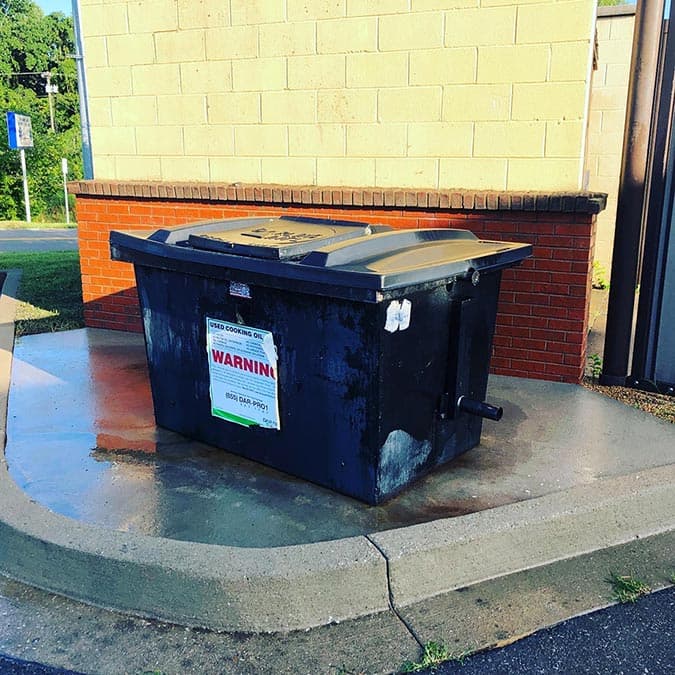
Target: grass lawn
[(50, 291), (34, 225)]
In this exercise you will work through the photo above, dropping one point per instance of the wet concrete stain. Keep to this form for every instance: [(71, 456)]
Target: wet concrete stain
[(94, 454)]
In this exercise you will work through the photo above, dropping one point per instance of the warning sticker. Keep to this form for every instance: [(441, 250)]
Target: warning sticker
[(242, 374)]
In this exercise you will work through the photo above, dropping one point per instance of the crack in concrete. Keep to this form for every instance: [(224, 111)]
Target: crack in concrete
[(392, 605)]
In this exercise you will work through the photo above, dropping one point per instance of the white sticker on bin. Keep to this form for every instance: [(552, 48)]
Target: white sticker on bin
[(398, 315)]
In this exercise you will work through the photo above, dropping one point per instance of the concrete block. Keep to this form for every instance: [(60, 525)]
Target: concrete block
[(203, 14), (158, 78), (235, 169), (205, 77), (104, 20), (509, 139), (485, 26), (426, 5), (613, 121), (324, 71), (160, 141), (513, 63), (149, 16), (376, 140), (261, 140), (289, 170), (212, 139), (134, 110), (127, 50), (440, 139), (340, 36), (594, 145), (376, 7), (290, 107), (609, 165), (259, 74), (377, 70), (603, 27), (549, 101), (345, 171), (235, 42), (113, 140), (287, 39), (570, 61), (564, 138), (556, 22), (252, 12), (410, 104), (476, 102), (110, 81), (181, 109), (136, 168), (621, 27), (472, 173), (544, 174), (615, 51), (317, 140), (95, 47), (342, 105), (406, 172), (443, 66), (185, 168), (410, 31), (100, 112), (594, 120), (617, 75), (105, 166), (181, 46), (302, 10), (233, 107)]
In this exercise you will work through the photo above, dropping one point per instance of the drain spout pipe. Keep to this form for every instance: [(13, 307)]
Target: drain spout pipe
[(631, 197), (480, 408)]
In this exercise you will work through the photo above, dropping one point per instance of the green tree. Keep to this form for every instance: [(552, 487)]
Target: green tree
[(31, 44)]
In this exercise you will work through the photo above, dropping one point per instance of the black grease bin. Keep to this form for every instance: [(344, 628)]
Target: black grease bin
[(350, 355)]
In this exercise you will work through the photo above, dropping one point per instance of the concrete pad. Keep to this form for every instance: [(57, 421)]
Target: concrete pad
[(82, 442)]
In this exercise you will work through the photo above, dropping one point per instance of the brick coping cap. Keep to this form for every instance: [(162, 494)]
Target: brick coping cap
[(312, 195)]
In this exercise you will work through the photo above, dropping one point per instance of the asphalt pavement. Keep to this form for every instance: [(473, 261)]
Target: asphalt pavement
[(618, 640), (34, 241)]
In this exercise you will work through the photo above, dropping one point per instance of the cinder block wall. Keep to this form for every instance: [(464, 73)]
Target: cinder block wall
[(607, 117), (542, 322), (378, 93)]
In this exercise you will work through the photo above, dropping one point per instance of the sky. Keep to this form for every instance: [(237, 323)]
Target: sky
[(49, 6)]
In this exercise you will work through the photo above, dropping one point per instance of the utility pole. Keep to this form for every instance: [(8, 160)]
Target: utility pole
[(50, 89)]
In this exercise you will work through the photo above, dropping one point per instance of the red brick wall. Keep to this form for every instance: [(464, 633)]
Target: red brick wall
[(542, 322)]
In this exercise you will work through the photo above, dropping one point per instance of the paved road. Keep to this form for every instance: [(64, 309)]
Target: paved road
[(13, 667), (25, 241), (620, 640)]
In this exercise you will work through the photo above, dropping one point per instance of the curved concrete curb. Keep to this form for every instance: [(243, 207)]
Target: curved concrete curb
[(297, 587), (444, 555), (218, 587)]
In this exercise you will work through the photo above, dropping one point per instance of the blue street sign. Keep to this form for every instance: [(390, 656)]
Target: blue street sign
[(19, 131)]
